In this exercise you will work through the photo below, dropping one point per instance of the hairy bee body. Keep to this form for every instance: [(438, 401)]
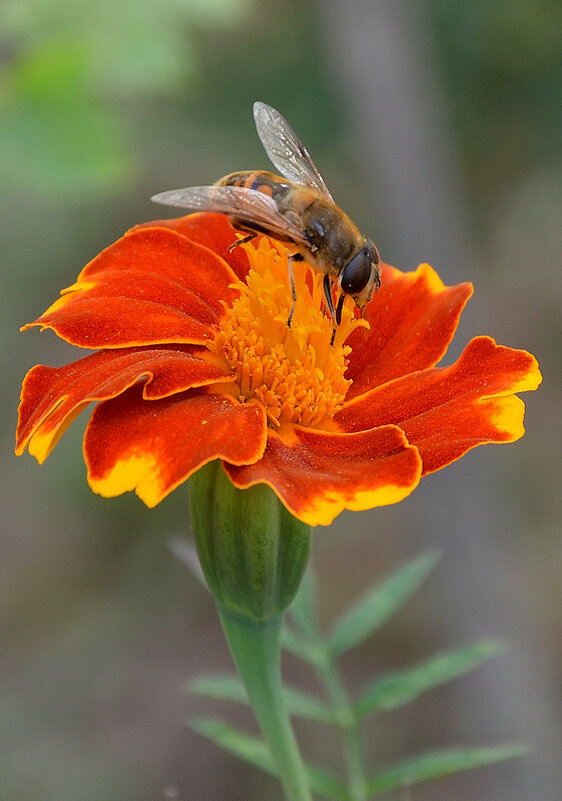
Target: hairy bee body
[(296, 207), (331, 236)]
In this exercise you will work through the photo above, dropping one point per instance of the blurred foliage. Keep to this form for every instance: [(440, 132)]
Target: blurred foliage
[(73, 73), (71, 67), (501, 63), (304, 638)]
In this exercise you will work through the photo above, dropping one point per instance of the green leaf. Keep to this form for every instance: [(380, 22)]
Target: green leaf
[(326, 786), (222, 688), (303, 609), (297, 647), (230, 688), (251, 750), (248, 749), (302, 705), (379, 604), (397, 689), (436, 764)]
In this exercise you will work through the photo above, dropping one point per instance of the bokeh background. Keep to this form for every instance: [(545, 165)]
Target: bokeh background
[(437, 125)]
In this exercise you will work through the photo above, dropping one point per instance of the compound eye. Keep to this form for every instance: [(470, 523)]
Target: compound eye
[(356, 274)]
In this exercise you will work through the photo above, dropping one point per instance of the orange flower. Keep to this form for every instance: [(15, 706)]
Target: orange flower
[(195, 361)]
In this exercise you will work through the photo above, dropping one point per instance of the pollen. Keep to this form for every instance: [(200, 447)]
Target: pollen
[(294, 371)]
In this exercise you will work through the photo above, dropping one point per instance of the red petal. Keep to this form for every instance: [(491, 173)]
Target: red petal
[(153, 446), (212, 230), (52, 397), (151, 287), (446, 411), (317, 474), (413, 318)]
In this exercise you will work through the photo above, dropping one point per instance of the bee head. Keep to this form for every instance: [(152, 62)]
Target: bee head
[(360, 276)]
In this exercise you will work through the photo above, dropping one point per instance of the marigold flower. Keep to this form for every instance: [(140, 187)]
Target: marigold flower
[(195, 362)]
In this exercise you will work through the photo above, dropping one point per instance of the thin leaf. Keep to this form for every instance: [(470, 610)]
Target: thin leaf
[(379, 604), (397, 689), (255, 752), (437, 764), (229, 688), (186, 552), (221, 688), (296, 646), (303, 609), (248, 749), (325, 785)]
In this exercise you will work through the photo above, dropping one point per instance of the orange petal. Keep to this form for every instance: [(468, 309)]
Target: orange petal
[(446, 411), (153, 446), (212, 230), (412, 318), (152, 286), (317, 474), (53, 397)]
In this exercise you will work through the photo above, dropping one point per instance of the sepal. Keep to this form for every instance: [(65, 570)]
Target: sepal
[(253, 552)]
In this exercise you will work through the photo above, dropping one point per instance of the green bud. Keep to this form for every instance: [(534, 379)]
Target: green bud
[(253, 552)]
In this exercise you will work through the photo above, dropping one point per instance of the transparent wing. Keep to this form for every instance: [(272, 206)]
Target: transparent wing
[(243, 205), (285, 149)]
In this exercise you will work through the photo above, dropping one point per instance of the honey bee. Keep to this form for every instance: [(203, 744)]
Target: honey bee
[(296, 208)]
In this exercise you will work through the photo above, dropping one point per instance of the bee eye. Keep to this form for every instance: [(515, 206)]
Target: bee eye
[(356, 274)]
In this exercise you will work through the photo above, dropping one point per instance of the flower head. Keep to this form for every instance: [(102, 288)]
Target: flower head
[(195, 362)]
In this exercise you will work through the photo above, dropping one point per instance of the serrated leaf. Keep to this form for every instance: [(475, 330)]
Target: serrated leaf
[(437, 764), (379, 604), (255, 752), (230, 688), (397, 689)]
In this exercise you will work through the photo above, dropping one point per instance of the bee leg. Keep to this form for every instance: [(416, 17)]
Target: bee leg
[(340, 308), (330, 305), (328, 296), (294, 257), (247, 238)]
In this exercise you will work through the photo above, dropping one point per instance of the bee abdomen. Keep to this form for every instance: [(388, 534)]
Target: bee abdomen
[(259, 181)]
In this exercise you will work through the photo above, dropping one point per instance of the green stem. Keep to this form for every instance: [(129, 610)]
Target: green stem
[(353, 745), (303, 615), (256, 651)]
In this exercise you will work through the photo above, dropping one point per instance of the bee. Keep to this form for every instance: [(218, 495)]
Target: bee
[(294, 207)]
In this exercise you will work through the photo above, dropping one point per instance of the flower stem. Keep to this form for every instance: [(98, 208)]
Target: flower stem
[(256, 651)]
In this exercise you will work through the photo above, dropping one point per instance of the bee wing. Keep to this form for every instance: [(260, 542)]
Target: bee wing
[(243, 205), (286, 150)]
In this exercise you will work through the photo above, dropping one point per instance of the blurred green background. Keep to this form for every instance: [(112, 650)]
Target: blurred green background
[(437, 126)]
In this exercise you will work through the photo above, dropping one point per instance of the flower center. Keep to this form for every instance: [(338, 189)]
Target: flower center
[(294, 372)]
